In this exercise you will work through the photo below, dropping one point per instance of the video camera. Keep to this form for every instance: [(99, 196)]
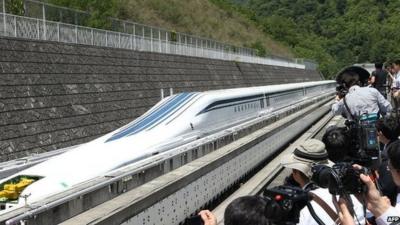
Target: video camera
[(364, 146), (285, 203), (341, 91), (340, 179)]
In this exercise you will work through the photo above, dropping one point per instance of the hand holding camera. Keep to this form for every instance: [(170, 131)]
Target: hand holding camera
[(375, 203), (341, 91), (205, 217)]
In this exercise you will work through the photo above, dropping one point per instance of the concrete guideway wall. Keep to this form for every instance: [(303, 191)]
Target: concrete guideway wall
[(54, 95)]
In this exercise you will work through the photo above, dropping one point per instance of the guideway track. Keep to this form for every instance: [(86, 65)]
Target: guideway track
[(178, 194)]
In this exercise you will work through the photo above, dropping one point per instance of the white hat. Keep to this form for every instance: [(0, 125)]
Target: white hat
[(307, 154)]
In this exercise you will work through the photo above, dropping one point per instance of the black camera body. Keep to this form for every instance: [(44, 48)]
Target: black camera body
[(341, 91), (364, 146), (285, 204), (340, 179)]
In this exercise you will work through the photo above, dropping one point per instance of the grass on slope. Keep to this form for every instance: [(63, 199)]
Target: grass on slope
[(201, 18)]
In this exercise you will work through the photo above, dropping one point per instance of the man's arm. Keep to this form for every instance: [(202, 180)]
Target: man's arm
[(338, 107), (379, 206), (384, 105), (373, 79)]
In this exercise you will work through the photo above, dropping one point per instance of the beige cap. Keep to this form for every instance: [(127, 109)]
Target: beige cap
[(307, 154)]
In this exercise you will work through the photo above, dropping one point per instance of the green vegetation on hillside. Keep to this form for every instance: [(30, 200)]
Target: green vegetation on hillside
[(200, 18), (334, 32)]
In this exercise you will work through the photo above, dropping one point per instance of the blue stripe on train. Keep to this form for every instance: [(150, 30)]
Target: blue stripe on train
[(164, 114), (148, 118), (153, 117), (193, 95), (150, 114)]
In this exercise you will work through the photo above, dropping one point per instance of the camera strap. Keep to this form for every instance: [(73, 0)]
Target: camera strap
[(347, 108), (331, 213)]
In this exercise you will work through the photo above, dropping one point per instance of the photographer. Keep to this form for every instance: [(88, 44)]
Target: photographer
[(388, 130), (379, 206), (358, 100), (304, 157), (378, 78), (249, 210), (394, 166), (337, 143)]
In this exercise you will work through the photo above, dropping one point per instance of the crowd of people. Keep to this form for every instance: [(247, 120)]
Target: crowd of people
[(366, 191)]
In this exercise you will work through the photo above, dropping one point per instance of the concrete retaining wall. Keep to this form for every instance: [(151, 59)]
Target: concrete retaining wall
[(55, 95)]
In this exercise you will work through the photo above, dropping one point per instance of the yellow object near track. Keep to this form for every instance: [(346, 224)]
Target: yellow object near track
[(12, 191)]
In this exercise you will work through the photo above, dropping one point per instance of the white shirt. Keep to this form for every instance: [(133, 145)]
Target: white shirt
[(396, 82), (307, 219), (391, 212), (362, 100), (384, 219)]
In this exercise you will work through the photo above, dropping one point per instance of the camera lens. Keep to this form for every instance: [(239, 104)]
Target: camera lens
[(321, 175)]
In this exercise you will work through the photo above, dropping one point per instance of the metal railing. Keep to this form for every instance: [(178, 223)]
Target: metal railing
[(308, 63), (49, 12), (33, 28)]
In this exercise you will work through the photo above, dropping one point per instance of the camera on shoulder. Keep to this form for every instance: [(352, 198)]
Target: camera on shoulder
[(364, 146)]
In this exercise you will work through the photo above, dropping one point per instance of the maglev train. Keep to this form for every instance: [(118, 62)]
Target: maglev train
[(175, 120)]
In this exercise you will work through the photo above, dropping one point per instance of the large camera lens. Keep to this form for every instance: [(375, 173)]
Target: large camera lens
[(321, 175), (342, 178)]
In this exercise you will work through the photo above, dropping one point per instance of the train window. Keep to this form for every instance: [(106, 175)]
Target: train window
[(234, 109), (242, 108)]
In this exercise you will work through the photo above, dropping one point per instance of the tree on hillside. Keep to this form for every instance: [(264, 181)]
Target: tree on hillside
[(335, 33), (99, 10)]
